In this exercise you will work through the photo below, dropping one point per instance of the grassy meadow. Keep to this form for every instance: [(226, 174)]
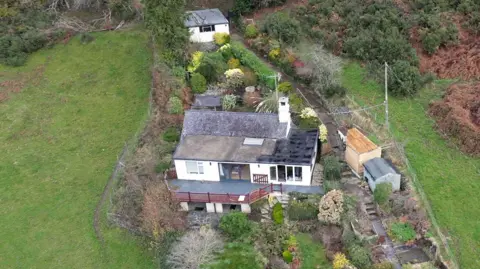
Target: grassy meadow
[(65, 119), (450, 179)]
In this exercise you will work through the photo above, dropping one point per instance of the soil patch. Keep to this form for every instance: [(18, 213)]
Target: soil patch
[(457, 61), (458, 115)]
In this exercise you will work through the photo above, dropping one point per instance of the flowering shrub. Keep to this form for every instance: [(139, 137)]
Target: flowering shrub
[(285, 87), (229, 102), (221, 38), (197, 57), (274, 54), (340, 261), (308, 113), (226, 51), (233, 63), (234, 77), (323, 133), (331, 207)]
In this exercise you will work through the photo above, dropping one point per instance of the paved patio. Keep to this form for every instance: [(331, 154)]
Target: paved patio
[(233, 187)]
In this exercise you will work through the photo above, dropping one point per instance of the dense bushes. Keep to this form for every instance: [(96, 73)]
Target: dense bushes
[(236, 225), (277, 213), (237, 256), (282, 27), (405, 79), (382, 193), (302, 210), (402, 232), (23, 32), (171, 134), (434, 33), (359, 256), (174, 105), (229, 102), (212, 66), (250, 60), (285, 87), (198, 83), (332, 169)]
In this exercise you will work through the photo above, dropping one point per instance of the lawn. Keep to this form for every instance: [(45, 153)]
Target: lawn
[(450, 179), (312, 253), (59, 139)]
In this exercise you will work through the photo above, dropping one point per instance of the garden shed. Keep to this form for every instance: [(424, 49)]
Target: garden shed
[(210, 102), (379, 170), (203, 24), (359, 150)]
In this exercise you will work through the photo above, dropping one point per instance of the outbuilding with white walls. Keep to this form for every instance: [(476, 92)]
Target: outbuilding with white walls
[(203, 24)]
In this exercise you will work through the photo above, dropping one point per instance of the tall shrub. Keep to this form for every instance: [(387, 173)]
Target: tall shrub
[(277, 213), (332, 168), (165, 19), (382, 193)]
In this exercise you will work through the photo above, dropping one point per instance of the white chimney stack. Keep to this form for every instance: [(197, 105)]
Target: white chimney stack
[(283, 109)]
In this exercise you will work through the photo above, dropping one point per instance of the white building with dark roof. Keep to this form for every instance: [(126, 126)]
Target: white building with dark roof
[(238, 153), (203, 24)]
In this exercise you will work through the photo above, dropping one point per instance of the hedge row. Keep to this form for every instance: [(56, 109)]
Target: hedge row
[(249, 59)]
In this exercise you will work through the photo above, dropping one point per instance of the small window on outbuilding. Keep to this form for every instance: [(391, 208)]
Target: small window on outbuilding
[(207, 28), (253, 141)]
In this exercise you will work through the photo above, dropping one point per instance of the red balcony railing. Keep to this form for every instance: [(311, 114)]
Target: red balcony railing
[(227, 198)]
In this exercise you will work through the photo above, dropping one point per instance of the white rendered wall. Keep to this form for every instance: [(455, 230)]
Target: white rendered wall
[(210, 171), (198, 37)]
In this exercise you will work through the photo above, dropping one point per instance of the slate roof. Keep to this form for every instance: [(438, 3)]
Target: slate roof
[(298, 148), (221, 149), (240, 124), (207, 101), (378, 167), (205, 17)]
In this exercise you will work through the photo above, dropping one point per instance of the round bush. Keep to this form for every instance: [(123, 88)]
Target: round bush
[(251, 31), (233, 63), (277, 213), (402, 232), (198, 83), (382, 192), (285, 87), (287, 256), (236, 225)]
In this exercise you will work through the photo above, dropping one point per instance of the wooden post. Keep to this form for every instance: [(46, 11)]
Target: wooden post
[(208, 194), (189, 199), (281, 188)]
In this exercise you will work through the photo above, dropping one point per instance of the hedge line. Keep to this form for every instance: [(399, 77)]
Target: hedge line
[(249, 59)]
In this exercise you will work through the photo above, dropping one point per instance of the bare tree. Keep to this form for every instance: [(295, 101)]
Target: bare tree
[(326, 68), (195, 248)]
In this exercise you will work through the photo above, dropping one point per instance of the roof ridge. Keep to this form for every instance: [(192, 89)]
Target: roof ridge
[(229, 112)]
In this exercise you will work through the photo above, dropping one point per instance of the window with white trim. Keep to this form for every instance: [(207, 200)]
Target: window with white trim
[(207, 28), (194, 167)]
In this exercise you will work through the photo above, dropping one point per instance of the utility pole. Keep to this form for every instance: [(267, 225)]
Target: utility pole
[(277, 79), (386, 96)]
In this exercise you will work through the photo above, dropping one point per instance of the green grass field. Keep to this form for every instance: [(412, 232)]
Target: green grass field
[(59, 140), (450, 179), (312, 253)]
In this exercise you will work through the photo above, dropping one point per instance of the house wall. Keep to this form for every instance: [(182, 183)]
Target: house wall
[(356, 161), (210, 171), (198, 37)]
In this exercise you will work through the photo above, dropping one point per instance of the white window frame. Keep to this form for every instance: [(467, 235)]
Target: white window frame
[(199, 168), (211, 28)]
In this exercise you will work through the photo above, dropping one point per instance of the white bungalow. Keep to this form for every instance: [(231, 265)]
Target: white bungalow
[(237, 153), (203, 24)]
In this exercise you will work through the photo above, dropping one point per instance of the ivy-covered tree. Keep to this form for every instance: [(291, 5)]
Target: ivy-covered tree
[(165, 18)]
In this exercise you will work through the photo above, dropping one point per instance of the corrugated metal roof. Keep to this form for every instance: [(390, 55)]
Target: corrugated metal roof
[(359, 142), (205, 17), (378, 167)]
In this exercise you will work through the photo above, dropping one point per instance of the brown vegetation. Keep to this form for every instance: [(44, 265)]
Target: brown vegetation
[(458, 115), (458, 61), (16, 85), (143, 202)]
